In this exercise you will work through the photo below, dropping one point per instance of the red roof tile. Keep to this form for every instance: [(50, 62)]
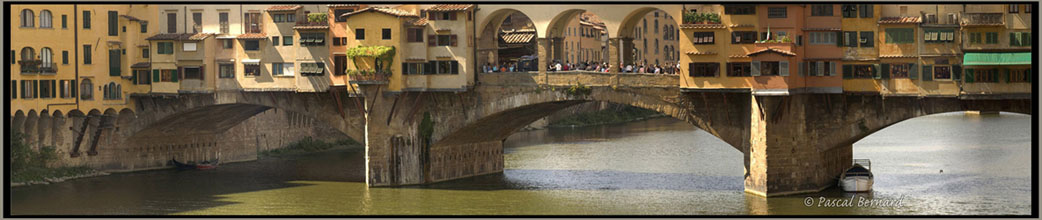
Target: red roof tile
[(284, 8), (700, 53), (389, 11), (783, 52), (451, 7), (901, 20), (252, 36), (418, 22), (701, 26), (822, 29), (341, 5), (518, 36), (179, 36), (131, 18), (896, 56)]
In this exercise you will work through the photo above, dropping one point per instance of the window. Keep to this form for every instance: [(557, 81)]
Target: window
[(28, 18), (228, 43), (823, 37), (656, 46), (282, 69), (65, 19), (251, 45), (359, 34), (67, 89), (252, 21), (45, 19), (47, 89), (165, 47), (283, 17), (339, 64), (251, 69), (86, 89), (991, 37), (443, 67), (286, 41), (863, 71), (113, 23), (413, 68), (899, 36), (1020, 39), (739, 9), (742, 37), (1014, 8), (86, 54), (86, 20), (982, 75), (65, 57), (188, 46), (899, 70), (768, 68), (777, 12), (445, 40), (866, 39), (226, 70), (29, 89), (1017, 75), (656, 26), (386, 33), (275, 41), (703, 69), (942, 72), (821, 10), (312, 69), (938, 36), (114, 63), (313, 39), (849, 10), (820, 68), (193, 73), (167, 75), (739, 69), (46, 57), (975, 37), (415, 35), (171, 22), (144, 27), (850, 38), (866, 11), (338, 12), (112, 91), (222, 19)]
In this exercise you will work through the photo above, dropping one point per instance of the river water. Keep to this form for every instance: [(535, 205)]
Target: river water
[(657, 166)]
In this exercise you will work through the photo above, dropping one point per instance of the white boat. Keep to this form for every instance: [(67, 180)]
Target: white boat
[(858, 178)]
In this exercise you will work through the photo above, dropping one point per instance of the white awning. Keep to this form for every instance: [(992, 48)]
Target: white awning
[(251, 61)]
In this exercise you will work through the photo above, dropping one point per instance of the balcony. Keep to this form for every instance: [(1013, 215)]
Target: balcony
[(306, 25), (983, 19), (37, 66), (368, 77)]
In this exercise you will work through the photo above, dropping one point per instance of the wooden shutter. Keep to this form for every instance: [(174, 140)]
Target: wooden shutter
[(114, 66), (885, 71), (913, 71), (839, 38), (691, 69), (452, 15), (36, 89), (848, 71), (454, 64), (63, 87), (175, 74), (927, 73), (832, 68), (783, 68), (133, 77), (202, 72), (878, 71), (428, 67), (430, 16), (432, 40), (755, 68), (72, 88), (819, 68), (155, 75), (969, 75), (452, 38), (957, 72), (1005, 73)]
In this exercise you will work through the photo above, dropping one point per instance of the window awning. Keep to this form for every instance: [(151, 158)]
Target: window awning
[(251, 61), (1009, 58)]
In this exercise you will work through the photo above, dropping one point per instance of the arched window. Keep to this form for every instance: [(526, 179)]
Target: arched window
[(656, 46), (645, 25), (86, 90), (46, 56), (45, 19), (28, 18), (645, 46), (113, 91), (28, 54), (656, 26)]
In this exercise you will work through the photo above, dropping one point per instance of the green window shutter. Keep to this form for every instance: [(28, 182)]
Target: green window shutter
[(848, 72), (755, 68), (879, 71), (114, 66), (913, 71), (175, 76), (155, 75), (1005, 72), (1013, 39), (133, 77), (885, 71), (927, 73), (957, 72), (969, 75), (72, 87)]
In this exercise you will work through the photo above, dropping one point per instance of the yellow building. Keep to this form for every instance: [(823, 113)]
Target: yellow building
[(655, 39), (43, 62), (997, 50), (861, 61), (716, 54)]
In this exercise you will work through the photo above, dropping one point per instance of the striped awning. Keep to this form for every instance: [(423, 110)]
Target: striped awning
[(980, 59)]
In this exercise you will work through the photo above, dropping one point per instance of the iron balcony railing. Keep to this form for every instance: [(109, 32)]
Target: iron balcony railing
[(984, 19), (37, 66)]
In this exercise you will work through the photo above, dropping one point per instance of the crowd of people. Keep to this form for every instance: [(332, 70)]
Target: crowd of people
[(557, 65)]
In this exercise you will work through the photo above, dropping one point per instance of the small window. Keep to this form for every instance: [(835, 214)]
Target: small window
[(275, 41), (415, 35), (444, 40), (386, 33), (849, 10), (359, 34), (144, 27), (900, 35), (86, 19), (991, 38), (252, 69), (189, 47), (287, 41), (65, 19), (193, 73), (703, 69), (142, 77), (867, 39), (251, 45), (165, 47), (942, 72), (1014, 8), (228, 43), (738, 10), (743, 37), (821, 10), (226, 70), (282, 69), (86, 55), (28, 18), (739, 69), (777, 12), (167, 75), (65, 57), (144, 52)]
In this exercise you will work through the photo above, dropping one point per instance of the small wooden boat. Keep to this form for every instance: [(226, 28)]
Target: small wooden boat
[(858, 178), (182, 166), (192, 166), (207, 165)]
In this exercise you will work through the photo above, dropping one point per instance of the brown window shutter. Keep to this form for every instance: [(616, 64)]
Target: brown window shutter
[(410, 37), (452, 16), (452, 38), (431, 40), (430, 16), (202, 72)]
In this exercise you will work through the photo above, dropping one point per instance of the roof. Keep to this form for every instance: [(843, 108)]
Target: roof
[(284, 8), (700, 53), (702, 26), (252, 36), (780, 51), (141, 65), (896, 56), (518, 36), (822, 29), (388, 11), (341, 5), (179, 36), (450, 7), (738, 56), (742, 25), (1016, 58), (417, 22), (311, 26), (901, 20), (131, 18)]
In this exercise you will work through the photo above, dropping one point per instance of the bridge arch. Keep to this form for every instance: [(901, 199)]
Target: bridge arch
[(489, 40)]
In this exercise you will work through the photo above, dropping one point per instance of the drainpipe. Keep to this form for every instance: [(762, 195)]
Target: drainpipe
[(473, 38), (919, 54), (75, 49)]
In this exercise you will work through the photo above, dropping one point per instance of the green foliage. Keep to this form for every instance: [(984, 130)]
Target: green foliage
[(426, 127), (579, 90), (317, 17), (379, 52), (32, 165), (308, 144), (608, 116), (695, 18)]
